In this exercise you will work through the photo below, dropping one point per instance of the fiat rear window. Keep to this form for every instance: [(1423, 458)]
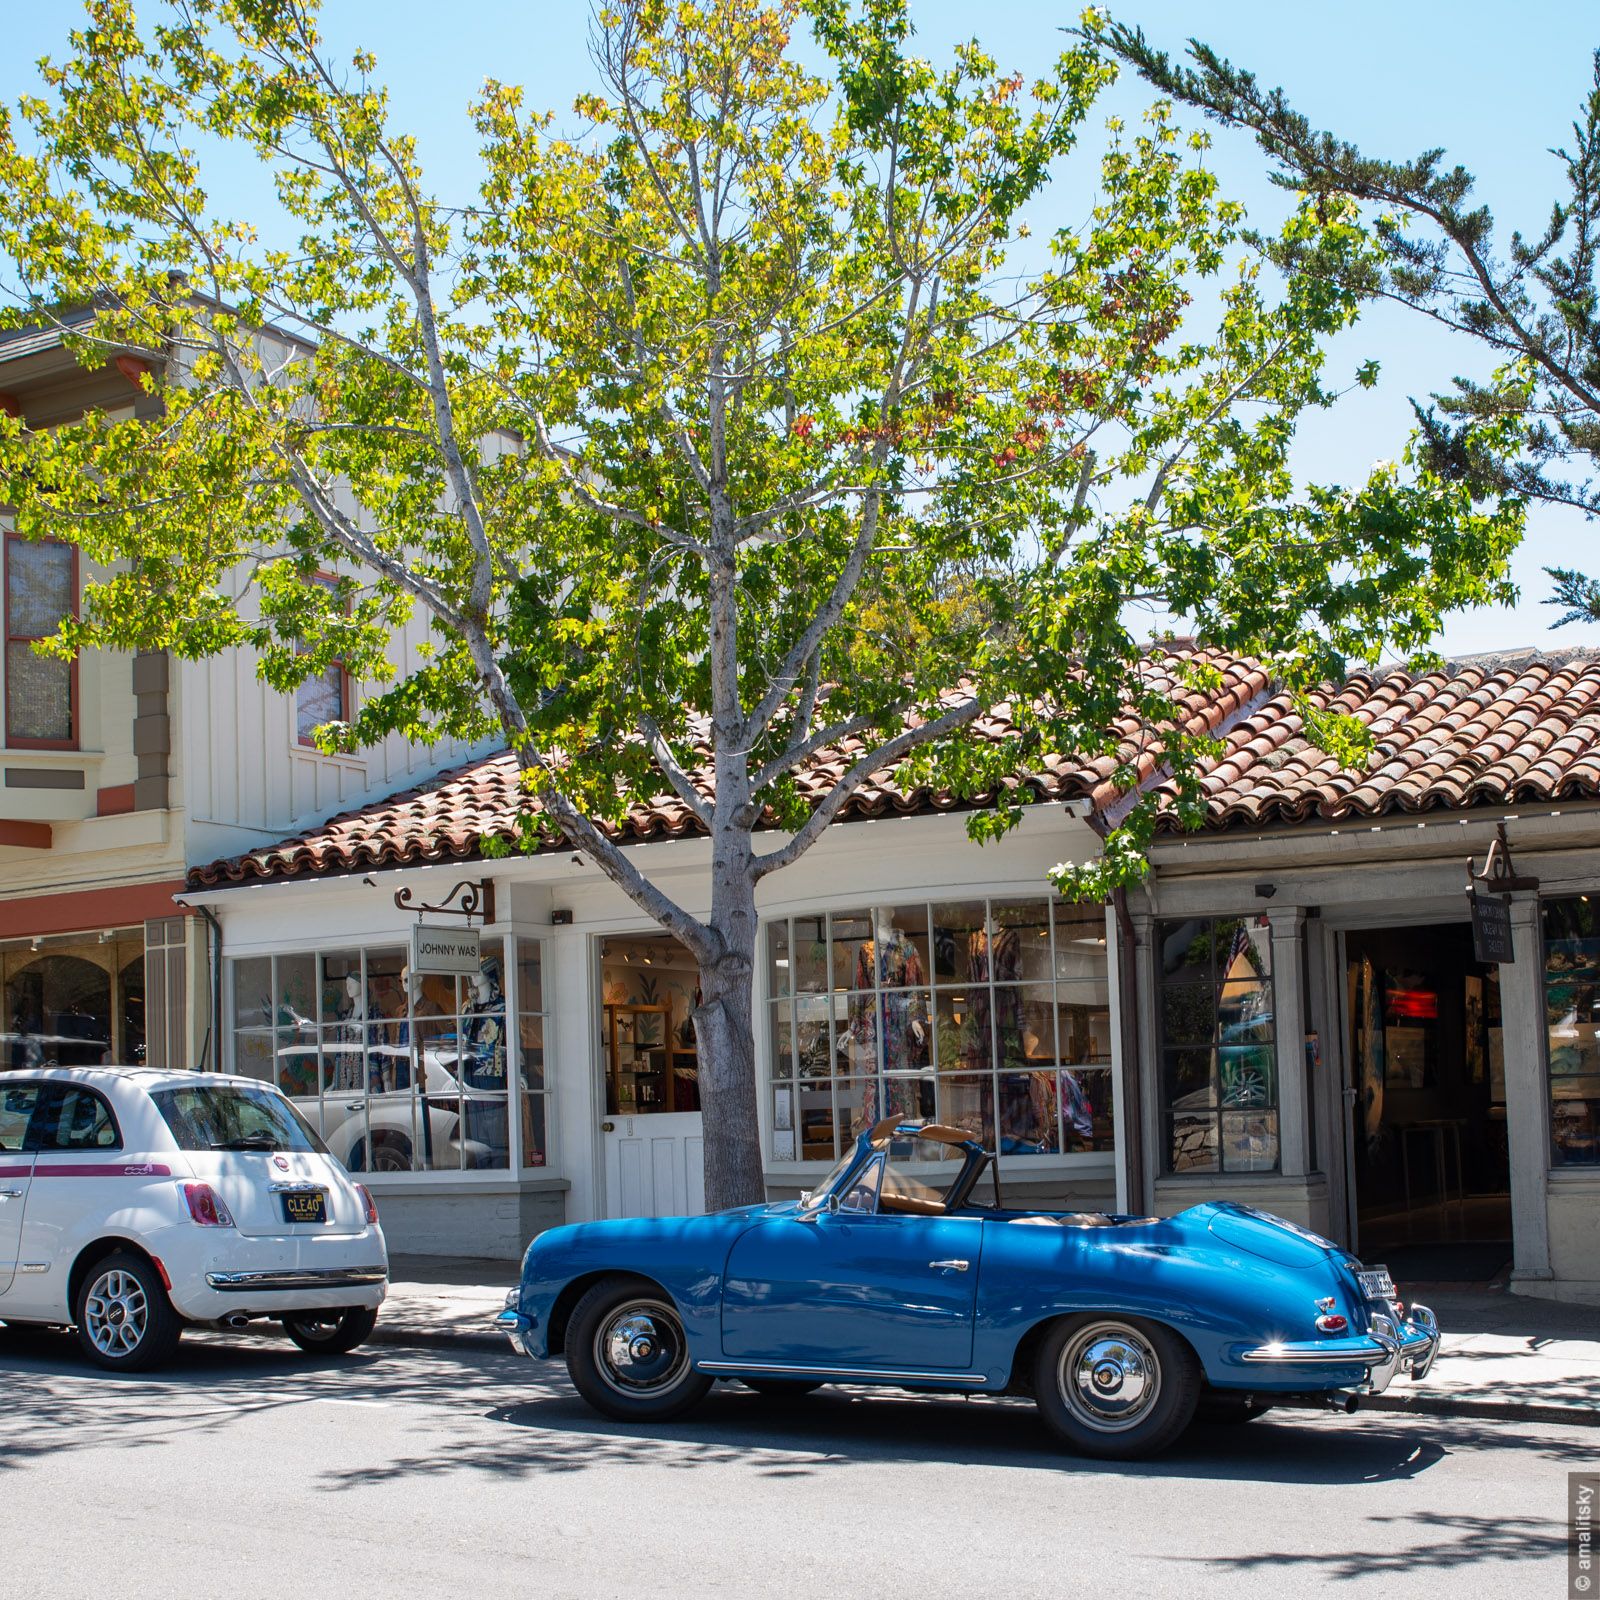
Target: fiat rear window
[(234, 1117)]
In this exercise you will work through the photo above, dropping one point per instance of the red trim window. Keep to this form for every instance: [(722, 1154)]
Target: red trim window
[(325, 698), (41, 580)]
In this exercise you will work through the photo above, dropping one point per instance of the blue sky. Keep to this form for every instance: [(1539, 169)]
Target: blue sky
[(1395, 77)]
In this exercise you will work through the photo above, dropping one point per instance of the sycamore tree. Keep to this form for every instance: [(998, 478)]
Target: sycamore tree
[(1532, 299), (782, 397)]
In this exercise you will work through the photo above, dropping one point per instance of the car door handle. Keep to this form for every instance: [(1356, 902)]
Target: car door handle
[(948, 1266), (10, 1194)]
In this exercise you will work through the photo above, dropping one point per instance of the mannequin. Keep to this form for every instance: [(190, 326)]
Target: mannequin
[(350, 1034), (889, 1032), (483, 1062)]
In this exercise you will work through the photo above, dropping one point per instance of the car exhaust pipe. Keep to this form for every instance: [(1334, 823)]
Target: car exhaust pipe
[(1345, 1400), (236, 1320)]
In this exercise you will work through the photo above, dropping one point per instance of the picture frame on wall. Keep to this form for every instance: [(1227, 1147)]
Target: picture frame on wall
[(1476, 1019), (1405, 1058)]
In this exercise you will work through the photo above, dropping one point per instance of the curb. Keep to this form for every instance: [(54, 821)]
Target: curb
[(1427, 1405), (1438, 1405)]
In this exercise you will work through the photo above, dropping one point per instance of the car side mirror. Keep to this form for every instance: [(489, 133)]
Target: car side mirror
[(833, 1204)]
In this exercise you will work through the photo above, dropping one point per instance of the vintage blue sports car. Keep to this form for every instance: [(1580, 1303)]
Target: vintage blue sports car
[(898, 1271)]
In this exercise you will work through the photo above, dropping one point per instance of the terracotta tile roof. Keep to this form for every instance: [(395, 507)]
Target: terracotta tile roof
[(1493, 731), (448, 817)]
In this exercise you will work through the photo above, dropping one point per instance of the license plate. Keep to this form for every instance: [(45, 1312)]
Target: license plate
[(305, 1205), (1375, 1283)]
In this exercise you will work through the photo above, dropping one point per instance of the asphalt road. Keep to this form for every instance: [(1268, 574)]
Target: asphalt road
[(248, 1469)]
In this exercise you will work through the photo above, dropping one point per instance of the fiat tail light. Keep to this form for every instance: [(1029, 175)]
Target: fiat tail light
[(206, 1206), (368, 1203)]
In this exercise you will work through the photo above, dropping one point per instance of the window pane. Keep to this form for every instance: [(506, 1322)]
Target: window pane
[(1188, 1013), (1245, 1075), (855, 1043), (530, 976), (810, 955), (532, 1037), (905, 1030), (319, 700), (1028, 1114), (1572, 995), (961, 1029), (782, 1026), (1022, 939), (960, 944), (38, 695), (780, 980), (1088, 1121), (252, 993), (38, 587), (59, 1009), (815, 1116), (1192, 1142), (16, 1109), (1243, 950), (1080, 938), (850, 936), (1187, 1082), (1025, 1025), (1185, 951), (1244, 1011), (535, 1132), (811, 1014), (966, 1100), (1249, 1141), (74, 1119)]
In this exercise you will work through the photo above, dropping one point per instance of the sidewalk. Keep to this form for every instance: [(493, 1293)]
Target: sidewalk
[(1505, 1357)]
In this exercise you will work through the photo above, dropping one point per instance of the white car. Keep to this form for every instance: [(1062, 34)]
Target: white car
[(134, 1202)]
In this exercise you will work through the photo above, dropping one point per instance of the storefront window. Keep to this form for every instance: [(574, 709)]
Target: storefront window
[(1219, 1066), (77, 1002), (989, 1015), (1572, 1017), (400, 1072)]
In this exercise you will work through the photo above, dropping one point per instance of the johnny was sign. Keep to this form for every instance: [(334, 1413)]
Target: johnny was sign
[(444, 950)]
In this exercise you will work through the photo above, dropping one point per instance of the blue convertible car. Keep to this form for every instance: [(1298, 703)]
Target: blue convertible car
[(897, 1272)]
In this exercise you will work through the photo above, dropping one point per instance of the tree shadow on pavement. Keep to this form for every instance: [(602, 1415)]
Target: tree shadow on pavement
[(1444, 1540)]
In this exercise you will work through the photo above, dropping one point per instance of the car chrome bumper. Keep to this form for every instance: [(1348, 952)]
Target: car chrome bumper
[(296, 1278), (515, 1326), (1412, 1347)]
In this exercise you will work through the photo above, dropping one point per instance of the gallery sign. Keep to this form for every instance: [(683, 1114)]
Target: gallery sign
[(1491, 929), (443, 950)]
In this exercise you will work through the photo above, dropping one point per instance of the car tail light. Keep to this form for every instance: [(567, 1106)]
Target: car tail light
[(1332, 1322), (367, 1201), (206, 1206)]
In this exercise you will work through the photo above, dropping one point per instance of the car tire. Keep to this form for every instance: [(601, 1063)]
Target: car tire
[(332, 1333), (628, 1354), (125, 1322), (1114, 1386), (782, 1388)]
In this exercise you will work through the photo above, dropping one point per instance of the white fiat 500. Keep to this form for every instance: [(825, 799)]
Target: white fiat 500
[(134, 1202)]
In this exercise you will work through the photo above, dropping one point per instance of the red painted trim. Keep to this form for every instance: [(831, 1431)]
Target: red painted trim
[(108, 1169), (25, 835), (73, 709), (133, 369), (115, 801), (89, 910), (16, 1172), (10, 405)]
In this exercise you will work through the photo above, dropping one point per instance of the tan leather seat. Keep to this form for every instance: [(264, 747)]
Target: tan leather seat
[(912, 1205)]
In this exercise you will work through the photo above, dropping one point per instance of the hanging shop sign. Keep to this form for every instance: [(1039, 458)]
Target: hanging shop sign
[(444, 950), (1489, 896), (449, 949)]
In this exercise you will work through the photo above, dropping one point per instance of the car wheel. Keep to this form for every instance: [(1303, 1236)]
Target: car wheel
[(1229, 1409), (125, 1321), (628, 1354), (391, 1154), (781, 1388), (1115, 1387), (331, 1333)]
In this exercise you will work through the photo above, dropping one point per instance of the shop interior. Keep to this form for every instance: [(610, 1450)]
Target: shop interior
[(76, 1000), (1432, 1169), (649, 985)]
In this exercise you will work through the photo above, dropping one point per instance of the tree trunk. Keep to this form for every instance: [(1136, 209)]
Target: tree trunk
[(725, 1031)]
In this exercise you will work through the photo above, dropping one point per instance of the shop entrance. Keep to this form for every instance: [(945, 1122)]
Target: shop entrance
[(651, 1078), (1431, 1192)]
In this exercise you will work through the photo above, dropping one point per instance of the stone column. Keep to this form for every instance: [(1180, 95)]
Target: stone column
[(1289, 1030), (1522, 1017)]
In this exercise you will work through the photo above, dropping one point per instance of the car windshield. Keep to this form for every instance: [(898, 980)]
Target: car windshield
[(232, 1116), (819, 1195)]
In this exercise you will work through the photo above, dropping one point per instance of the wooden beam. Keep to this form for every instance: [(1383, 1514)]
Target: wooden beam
[(133, 368), (25, 835)]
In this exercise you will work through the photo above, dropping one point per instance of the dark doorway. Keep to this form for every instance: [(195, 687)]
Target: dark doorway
[(1432, 1172)]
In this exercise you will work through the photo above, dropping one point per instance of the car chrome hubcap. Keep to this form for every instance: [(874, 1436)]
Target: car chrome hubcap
[(116, 1313), (640, 1349), (1109, 1376)]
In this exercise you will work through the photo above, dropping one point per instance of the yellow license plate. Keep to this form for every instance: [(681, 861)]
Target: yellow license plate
[(306, 1205)]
